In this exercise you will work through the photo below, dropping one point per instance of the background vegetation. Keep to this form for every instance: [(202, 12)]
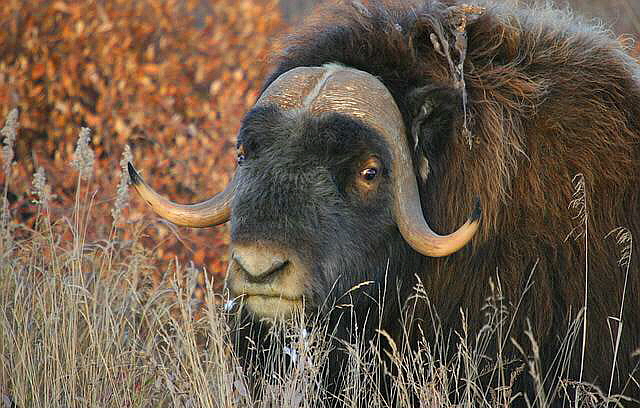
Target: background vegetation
[(102, 303)]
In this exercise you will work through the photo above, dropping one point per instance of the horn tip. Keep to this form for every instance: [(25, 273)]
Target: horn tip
[(477, 210), (133, 174)]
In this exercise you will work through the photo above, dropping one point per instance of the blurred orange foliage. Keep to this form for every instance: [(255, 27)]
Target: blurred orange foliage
[(172, 78)]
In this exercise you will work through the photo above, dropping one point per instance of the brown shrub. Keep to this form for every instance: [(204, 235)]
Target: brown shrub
[(171, 78)]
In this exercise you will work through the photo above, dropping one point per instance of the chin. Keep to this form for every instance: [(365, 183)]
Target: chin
[(273, 308)]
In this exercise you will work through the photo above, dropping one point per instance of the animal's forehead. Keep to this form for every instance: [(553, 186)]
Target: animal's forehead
[(336, 88), (272, 127)]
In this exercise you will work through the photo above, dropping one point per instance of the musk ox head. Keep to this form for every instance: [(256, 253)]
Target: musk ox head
[(324, 195)]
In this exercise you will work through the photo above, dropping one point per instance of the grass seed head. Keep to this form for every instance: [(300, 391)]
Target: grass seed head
[(9, 132), (40, 187), (122, 194), (83, 156)]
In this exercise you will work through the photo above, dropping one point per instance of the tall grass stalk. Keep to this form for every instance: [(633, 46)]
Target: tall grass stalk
[(625, 241), (579, 204), (8, 135)]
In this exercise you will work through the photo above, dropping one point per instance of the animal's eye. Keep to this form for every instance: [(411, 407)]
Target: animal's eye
[(241, 155), (369, 173)]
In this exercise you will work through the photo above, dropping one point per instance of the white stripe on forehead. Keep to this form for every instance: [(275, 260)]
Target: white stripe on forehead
[(336, 88), (298, 87), (330, 69)]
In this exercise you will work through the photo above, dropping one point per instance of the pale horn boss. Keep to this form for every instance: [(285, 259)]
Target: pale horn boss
[(324, 187)]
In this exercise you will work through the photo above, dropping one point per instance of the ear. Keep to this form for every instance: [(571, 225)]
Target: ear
[(433, 110)]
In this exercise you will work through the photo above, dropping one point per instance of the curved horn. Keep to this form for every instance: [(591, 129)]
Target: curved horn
[(407, 207), (361, 95), (213, 211), (415, 229)]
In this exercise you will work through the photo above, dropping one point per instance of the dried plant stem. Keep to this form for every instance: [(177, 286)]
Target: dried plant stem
[(625, 239), (579, 203), (8, 133), (586, 289), (121, 201)]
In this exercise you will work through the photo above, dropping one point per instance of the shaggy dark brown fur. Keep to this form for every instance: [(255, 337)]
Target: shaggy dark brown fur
[(551, 103)]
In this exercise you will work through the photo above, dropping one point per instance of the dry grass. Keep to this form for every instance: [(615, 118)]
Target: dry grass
[(82, 326)]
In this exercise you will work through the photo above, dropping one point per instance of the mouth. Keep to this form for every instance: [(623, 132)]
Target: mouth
[(268, 281), (272, 307)]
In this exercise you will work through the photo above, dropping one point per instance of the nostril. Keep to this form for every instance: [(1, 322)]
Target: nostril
[(265, 274), (275, 267), (259, 268)]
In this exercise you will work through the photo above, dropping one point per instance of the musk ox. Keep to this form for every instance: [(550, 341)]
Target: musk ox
[(378, 129)]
